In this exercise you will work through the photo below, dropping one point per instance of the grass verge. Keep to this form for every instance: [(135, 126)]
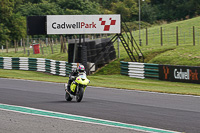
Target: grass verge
[(111, 81)]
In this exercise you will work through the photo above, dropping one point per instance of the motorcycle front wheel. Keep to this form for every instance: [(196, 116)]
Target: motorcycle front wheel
[(67, 97), (79, 94)]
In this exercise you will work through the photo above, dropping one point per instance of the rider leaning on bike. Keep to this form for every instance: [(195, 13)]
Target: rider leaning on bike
[(74, 74)]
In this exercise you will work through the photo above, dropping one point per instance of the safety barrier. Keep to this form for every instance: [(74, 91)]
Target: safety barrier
[(139, 70), (61, 68), (151, 70)]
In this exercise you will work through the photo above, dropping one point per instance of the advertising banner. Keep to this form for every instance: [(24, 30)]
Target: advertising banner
[(179, 73), (83, 24)]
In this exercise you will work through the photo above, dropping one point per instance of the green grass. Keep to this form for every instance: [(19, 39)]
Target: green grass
[(47, 53), (112, 81), (31, 75), (185, 32), (182, 55)]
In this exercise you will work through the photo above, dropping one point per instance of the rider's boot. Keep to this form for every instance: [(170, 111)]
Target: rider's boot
[(65, 85)]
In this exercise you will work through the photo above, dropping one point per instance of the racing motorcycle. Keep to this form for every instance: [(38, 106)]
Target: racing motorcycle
[(77, 88)]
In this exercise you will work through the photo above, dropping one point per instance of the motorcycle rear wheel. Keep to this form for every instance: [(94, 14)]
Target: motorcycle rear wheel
[(67, 97), (79, 94)]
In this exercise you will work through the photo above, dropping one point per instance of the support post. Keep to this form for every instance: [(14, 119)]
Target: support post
[(75, 46), (56, 44), (15, 46), (146, 36), (193, 36), (6, 46), (61, 42), (161, 37), (33, 45), (118, 47), (17, 43), (65, 45), (177, 43), (23, 43), (51, 45), (84, 55), (41, 46)]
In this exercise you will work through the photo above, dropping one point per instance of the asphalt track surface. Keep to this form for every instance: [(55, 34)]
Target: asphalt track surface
[(170, 112)]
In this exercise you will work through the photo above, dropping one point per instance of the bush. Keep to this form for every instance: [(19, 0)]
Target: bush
[(135, 25)]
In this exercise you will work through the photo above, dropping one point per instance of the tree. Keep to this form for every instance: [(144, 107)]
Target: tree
[(12, 25), (79, 7), (18, 24), (175, 9), (4, 31), (193, 7), (120, 8), (91, 8), (106, 3), (148, 13), (44, 8), (133, 8), (6, 9)]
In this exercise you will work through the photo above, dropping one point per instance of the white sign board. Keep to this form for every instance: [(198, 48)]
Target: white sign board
[(83, 24)]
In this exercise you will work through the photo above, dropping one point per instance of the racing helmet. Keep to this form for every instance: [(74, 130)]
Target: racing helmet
[(81, 68)]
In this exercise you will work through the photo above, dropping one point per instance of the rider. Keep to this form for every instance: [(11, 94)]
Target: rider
[(74, 74)]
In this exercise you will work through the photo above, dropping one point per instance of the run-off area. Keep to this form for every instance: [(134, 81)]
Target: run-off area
[(14, 122)]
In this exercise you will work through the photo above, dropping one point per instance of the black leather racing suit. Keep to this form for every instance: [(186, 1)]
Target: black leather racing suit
[(72, 76)]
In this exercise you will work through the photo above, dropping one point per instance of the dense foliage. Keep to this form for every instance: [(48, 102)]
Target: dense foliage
[(13, 12)]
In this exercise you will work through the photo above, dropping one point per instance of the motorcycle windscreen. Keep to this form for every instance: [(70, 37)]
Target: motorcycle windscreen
[(83, 76)]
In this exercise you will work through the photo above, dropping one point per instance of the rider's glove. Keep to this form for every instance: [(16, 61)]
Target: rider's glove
[(74, 82)]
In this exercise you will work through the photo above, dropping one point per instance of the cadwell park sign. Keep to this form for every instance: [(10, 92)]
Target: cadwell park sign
[(83, 24), (74, 24), (179, 73)]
